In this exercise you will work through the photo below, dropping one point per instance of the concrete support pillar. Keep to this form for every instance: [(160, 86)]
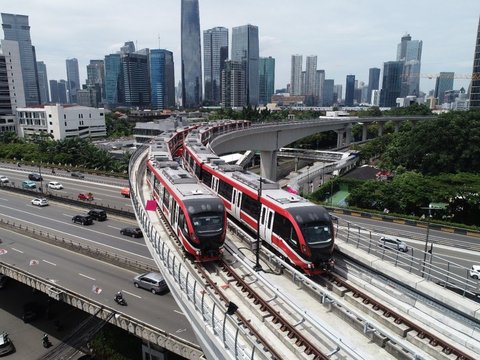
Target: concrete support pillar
[(296, 164), (268, 165), (380, 128), (397, 126), (364, 132), (340, 138), (348, 135)]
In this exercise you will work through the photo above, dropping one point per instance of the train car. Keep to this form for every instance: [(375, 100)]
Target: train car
[(194, 211), (299, 231)]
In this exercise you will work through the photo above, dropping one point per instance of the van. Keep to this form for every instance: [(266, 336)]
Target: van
[(28, 184), (98, 214), (151, 281)]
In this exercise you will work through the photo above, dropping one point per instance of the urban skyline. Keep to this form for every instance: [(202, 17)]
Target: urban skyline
[(343, 47)]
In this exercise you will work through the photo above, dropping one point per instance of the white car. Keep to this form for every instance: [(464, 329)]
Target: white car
[(40, 202), (475, 272), (4, 179), (55, 185)]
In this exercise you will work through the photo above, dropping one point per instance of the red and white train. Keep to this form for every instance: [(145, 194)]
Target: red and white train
[(300, 231), (196, 214)]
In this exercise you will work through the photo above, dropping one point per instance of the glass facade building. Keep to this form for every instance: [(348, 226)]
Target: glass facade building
[(233, 85), (373, 82), (475, 85), (43, 82), (391, 83), (16, 28), (266, 76), (349, 90), (112, 79), (245, 48), (296, 75), (215, 52), (73, 79), (162, 79), (191, 55), (135, 82), (443, 83)]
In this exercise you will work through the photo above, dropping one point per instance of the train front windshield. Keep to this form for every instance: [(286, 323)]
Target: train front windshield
[(207, 215), (315, 224), (208, 223)]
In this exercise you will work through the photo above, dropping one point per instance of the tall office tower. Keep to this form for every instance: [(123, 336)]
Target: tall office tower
[(296, 75), (373, 82), (215, 52), (318, 89), (328, 85), (392, 83), (15, 96), (54, 96), (349, 90), (410, 52), (475, 84), (16, 28), (162, 79), (443, 83), (245, 48), (135, 80), (73, 79), (337, 93), (43, 82), (127, 48), (311, 76), (233, 84), (191, 55), (113, 70), (62, 91), (266, 75), (96, 79)]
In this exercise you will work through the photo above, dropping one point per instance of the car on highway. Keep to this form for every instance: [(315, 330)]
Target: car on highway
[(98, 214), (40, 202), (6, 345), (85, 196), (4, 179), (28, 184), (475, 272), (132, 231), (82, 219), (392, 243), (31, 311), (151, 281), (77, 175), (3, 280), (35, 177), (125, 192), (55, 185)]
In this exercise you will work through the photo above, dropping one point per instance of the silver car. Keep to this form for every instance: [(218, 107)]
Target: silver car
[(151, 281), (393, 244)]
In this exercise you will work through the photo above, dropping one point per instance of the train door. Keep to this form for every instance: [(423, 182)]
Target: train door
[(215, 184), (236, 202), (266, 223)]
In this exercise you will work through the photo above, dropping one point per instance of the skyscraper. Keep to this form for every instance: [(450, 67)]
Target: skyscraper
[(373, 82), (135, 80), (54, 98), (328, 85), (392, 83), (13, 94), (311, 76), (16, 28), (112, 79), (475, 85), (245, 48), (215, 52), (73, 79), (410, 52), (233, 84), (318, 87), (296, 75), (162, 79), (62, 91), (266, 69), (349, 90), (191, 55), (96, 79), (43, 82), (443, 83)]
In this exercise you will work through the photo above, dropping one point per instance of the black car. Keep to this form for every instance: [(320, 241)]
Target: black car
[(35, 177), (77, 175), (131, 231), (83, 219), (98, 214), (31, 311)]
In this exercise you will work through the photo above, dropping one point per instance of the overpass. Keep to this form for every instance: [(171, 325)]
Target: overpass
[(268, 138)]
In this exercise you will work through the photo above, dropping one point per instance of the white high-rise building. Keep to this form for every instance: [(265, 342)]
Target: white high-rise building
[(311, 75), (9, 49), (296, 75)]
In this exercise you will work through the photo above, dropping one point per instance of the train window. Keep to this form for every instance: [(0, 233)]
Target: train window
[(207, 223), (198, 171), (166, 198), (191, 162), (316, 233), (284, 228), (270, 217), (250, 206), (207, 178), (225, 190)]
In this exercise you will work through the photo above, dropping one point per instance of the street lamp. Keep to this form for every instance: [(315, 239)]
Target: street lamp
[(426, 241), (257, 266)]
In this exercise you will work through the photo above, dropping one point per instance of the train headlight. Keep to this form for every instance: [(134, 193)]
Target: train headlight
[(198, 252)]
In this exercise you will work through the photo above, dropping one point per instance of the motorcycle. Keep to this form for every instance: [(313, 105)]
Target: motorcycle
[(46, 342), (120, 300)]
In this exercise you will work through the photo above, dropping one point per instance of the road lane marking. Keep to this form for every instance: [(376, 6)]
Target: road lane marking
[(114, 227), (20, 251), (131, 294), (88, 277), (48, 262), (179, 312)]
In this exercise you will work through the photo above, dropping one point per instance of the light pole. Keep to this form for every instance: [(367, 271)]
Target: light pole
[(257, 266), (426, 240)]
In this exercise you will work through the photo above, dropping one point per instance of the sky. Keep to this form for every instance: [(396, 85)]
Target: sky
[(347, 36)]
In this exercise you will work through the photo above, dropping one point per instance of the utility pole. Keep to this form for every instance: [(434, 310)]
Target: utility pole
[(257, 266)]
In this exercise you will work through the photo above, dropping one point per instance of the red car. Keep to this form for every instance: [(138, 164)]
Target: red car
[(85, 196)]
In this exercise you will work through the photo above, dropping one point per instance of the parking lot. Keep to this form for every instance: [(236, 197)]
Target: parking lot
[(53, 318)]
